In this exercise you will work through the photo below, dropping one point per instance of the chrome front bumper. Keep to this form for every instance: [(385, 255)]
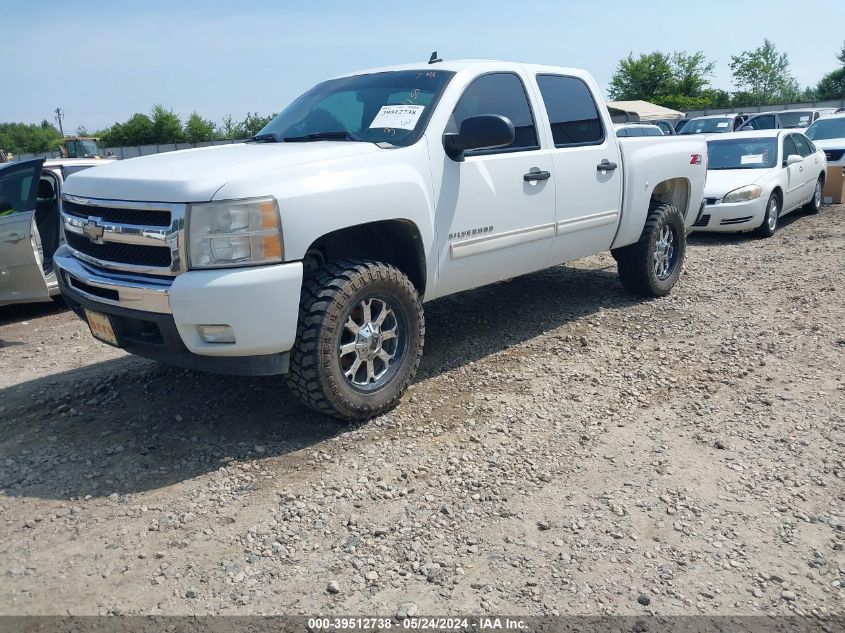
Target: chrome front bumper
[(125, 290)]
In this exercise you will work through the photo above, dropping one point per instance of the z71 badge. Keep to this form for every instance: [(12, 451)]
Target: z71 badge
[(470, 233)]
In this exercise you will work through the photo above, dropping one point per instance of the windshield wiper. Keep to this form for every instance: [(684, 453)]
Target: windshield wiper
[(322, 136), (268, 137)]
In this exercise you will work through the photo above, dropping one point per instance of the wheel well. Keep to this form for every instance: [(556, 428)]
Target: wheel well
[(779, 193), (396, 242), (673, 191)]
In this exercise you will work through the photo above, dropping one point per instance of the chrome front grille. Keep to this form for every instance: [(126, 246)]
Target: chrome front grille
[(136, 237), (141, 217), (158, 256)]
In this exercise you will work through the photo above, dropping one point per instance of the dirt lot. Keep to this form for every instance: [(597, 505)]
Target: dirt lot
[(565, 449)]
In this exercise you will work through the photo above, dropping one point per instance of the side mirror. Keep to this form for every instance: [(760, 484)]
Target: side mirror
[(485, 131), (793, 158)]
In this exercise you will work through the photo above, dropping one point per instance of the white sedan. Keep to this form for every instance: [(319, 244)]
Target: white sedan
[(829, 134), (753, 179)]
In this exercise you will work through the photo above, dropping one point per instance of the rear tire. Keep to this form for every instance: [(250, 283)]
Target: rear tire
[(815, 203), (770, 220), (359, 339), (651, 266)]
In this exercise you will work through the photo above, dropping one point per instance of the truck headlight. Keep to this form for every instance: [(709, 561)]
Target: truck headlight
[(743, 194), (234, 233)]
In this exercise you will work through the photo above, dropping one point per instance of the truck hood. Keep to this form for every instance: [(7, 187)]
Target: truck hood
[(830, 143), (722, 181), (194, 175)]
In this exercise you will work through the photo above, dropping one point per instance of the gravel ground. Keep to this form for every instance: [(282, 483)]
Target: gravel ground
[(565, 449)]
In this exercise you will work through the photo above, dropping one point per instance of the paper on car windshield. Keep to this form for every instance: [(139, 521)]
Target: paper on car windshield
[(401, 117), (804, 118), (722, 124), (750, 159)]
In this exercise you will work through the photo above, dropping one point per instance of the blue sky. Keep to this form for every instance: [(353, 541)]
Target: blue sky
[(101, 61)]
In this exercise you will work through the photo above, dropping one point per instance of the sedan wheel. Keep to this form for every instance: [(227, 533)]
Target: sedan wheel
[(815, 203), (770, 220)]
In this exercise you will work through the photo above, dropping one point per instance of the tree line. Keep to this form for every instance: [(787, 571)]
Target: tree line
[(681, 80), (160, 126), (677, 80)]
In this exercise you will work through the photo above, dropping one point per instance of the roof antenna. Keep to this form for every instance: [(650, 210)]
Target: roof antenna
[(434, 58)]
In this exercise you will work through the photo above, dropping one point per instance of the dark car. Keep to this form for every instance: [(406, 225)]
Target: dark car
[(762, 121)]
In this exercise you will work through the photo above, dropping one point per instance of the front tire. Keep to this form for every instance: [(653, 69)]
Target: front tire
[(770, 220), (815, 203), (359, 339), (651, 267)]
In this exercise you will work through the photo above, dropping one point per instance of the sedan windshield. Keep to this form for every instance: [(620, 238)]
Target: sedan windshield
[(390, 107), (707, 126), (824, 129), (797, 118), (744, 153)]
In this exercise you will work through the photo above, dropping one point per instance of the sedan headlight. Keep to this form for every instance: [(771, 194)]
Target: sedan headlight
[(743, 194), (234, 233)]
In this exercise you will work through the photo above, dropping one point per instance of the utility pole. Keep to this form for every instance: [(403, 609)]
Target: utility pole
[(59, 116)]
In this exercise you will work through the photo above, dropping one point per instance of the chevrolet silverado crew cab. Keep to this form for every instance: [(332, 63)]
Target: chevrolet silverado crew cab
[(310, 250)]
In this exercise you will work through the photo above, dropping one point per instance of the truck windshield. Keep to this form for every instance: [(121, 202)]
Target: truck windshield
[(707, 126), (824, 129), (390, 107), (745, 153)]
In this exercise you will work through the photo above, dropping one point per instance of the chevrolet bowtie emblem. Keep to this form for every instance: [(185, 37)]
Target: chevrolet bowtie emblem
[(93, 231)]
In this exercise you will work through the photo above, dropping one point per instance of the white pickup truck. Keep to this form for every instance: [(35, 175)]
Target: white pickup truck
[(310, 250)]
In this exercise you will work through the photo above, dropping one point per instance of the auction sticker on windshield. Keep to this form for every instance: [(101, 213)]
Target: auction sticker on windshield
[(101, 327), (722, 124), (750, 159), (400, 117)]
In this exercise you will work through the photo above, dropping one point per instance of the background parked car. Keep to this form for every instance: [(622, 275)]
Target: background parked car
[(762, 121), (754, 180), (666, 126), (713, 124), (30, 226), (803, 118), (828, 134), (637, 129)]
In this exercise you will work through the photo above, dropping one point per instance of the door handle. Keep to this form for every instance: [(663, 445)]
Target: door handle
[(606, 165), (536, 175)]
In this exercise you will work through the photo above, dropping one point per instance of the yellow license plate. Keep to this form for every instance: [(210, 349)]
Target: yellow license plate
[(101, 327)]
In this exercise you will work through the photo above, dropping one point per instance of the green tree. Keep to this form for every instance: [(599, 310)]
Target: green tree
[(646, 77), (198, 129), (29, 138), (231, 129), (679, 80), (691, 73), (167, 127), (253, 123), (137, 130), (832, 85), (763, 76)]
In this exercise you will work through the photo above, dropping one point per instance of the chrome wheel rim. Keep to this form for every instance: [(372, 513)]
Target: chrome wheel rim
[(371, 344), (817, 197), (664, 253), (772, 216)]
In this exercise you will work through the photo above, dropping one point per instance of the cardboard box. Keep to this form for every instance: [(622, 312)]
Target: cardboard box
[(834, 186)]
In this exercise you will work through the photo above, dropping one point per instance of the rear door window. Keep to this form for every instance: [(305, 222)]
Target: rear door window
[(802, 145), (572, 111)]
